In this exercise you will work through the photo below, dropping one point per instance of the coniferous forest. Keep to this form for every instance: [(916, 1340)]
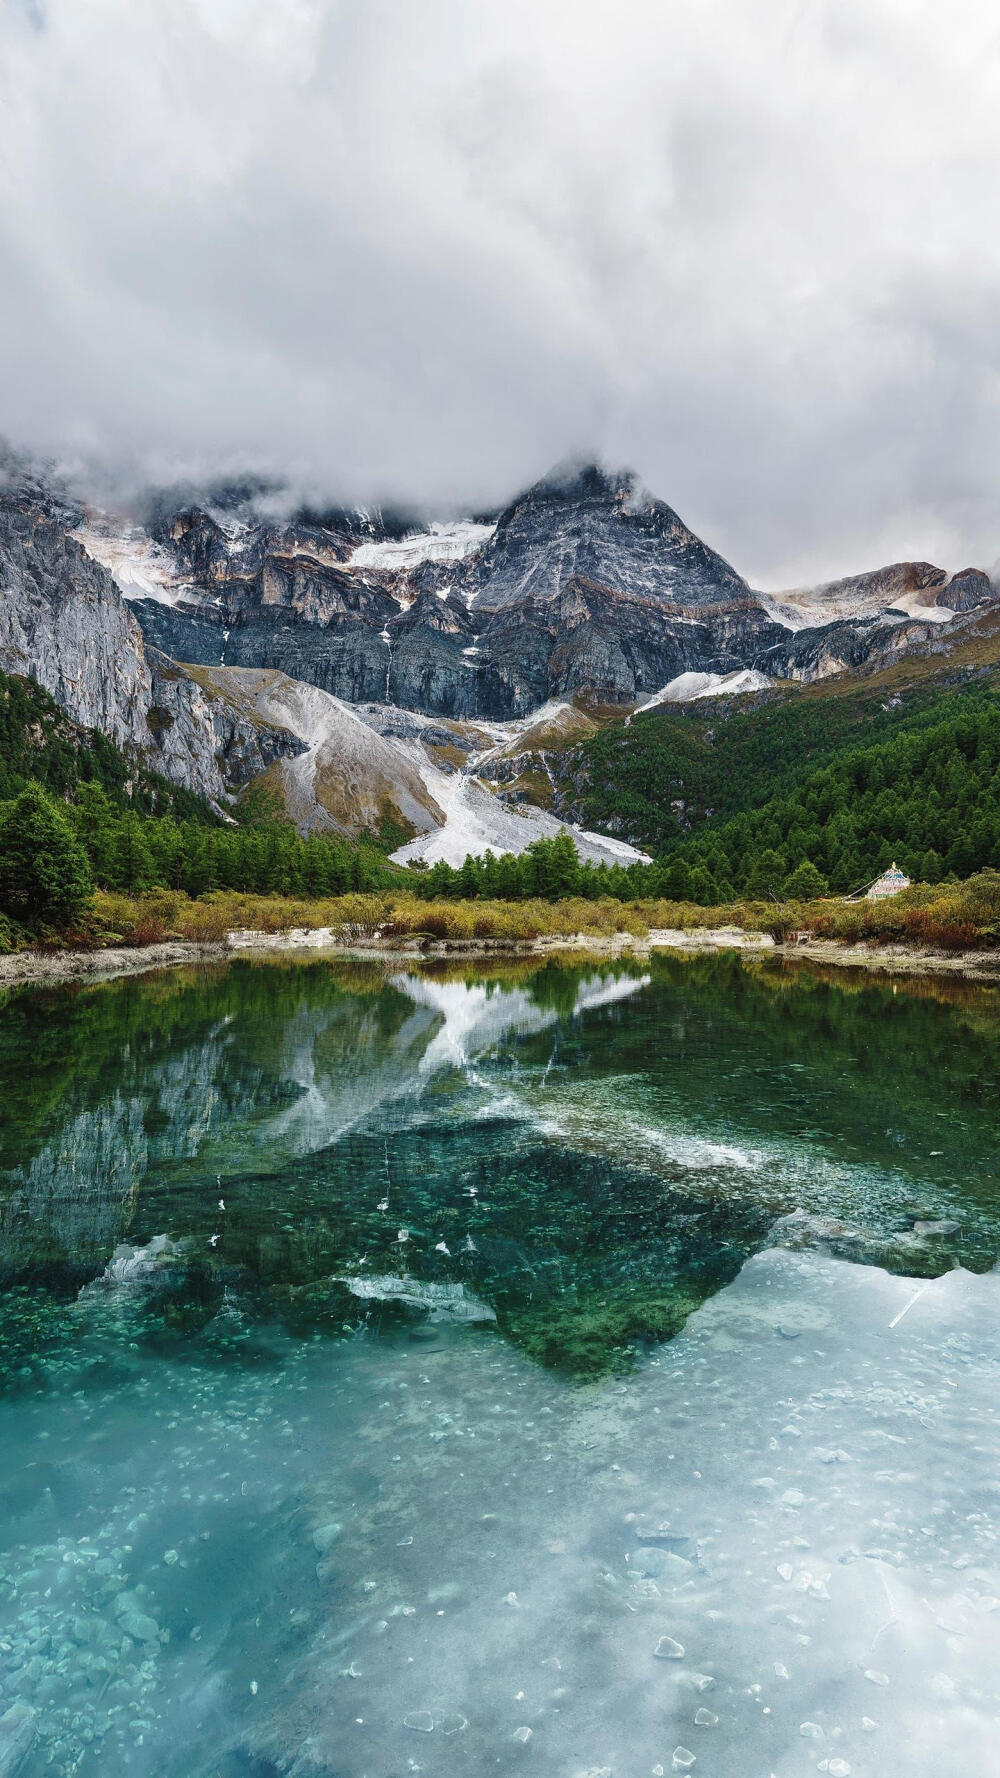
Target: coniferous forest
[(791, 799)]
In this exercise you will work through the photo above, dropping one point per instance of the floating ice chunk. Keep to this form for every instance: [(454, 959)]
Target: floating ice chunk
[(705, 1719), (876, 1677), (683, 1759), (523, 1734), (811, 1731), (669, 1650), (421, 1720)]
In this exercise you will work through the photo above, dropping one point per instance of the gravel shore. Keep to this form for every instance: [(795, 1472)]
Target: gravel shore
[(42, 967)]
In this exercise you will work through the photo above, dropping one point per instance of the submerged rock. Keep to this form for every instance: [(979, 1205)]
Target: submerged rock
[(444, 1302), (17, 1734), (135, 1265)]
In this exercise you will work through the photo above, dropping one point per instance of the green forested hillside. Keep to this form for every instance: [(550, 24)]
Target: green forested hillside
[(662, 775), (76, 812), (846, 778), (39, 743), (928, 798)]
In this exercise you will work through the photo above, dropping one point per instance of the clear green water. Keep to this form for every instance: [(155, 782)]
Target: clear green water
[(220, 1480)]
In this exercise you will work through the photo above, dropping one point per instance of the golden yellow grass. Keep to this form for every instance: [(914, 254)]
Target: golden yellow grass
[(954, 916)]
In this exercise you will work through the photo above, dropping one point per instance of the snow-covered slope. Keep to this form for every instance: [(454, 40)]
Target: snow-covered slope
[(352, 777), (914, 588), (140, 568), (689, 686), (439, 543), (477, 821)]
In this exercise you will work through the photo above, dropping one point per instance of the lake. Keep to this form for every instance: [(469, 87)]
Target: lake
[(589, 1369)]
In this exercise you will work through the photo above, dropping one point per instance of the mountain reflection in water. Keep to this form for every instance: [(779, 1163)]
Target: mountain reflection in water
[(464, 1508)]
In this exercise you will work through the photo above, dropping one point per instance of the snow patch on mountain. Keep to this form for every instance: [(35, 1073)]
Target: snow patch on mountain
[(450, 542), (140, 568), (881, 593), (477, 821), (687, 687), (930, 614)]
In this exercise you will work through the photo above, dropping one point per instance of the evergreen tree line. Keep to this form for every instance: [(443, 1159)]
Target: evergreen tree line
[(53, 854), (930, 799)]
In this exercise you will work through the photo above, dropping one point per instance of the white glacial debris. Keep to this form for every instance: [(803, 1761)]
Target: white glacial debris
[(349, 775), (476, 820)]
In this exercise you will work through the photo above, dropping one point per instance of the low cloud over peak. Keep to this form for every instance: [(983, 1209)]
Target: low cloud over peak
[(421, 253)]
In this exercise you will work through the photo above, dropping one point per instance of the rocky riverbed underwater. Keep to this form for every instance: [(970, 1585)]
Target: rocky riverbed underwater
[(575, 1370)]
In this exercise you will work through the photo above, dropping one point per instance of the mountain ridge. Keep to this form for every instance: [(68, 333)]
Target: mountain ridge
[(584, 592)]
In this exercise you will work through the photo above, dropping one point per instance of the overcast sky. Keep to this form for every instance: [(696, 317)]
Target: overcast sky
[(424, 249)]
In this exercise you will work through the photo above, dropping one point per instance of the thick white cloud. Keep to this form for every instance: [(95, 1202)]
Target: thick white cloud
[(425, 250)]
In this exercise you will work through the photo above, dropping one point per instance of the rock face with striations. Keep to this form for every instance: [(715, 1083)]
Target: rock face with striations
[(584, 585), (65, 624)]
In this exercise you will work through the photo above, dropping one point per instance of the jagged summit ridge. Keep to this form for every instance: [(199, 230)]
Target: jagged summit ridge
[(604, 529), (585, 588)]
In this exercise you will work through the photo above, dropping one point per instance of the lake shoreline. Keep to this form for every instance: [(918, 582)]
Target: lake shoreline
[(40, 968)]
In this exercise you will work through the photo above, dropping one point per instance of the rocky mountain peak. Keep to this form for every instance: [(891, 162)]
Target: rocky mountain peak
[(588, 523)]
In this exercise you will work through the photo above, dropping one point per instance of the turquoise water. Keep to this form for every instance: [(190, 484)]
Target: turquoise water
[(276, 1492)]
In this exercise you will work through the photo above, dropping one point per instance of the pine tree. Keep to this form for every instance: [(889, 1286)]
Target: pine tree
[(676, 881), (132, 868), (805, 882), (766, 877), (44, 874)]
